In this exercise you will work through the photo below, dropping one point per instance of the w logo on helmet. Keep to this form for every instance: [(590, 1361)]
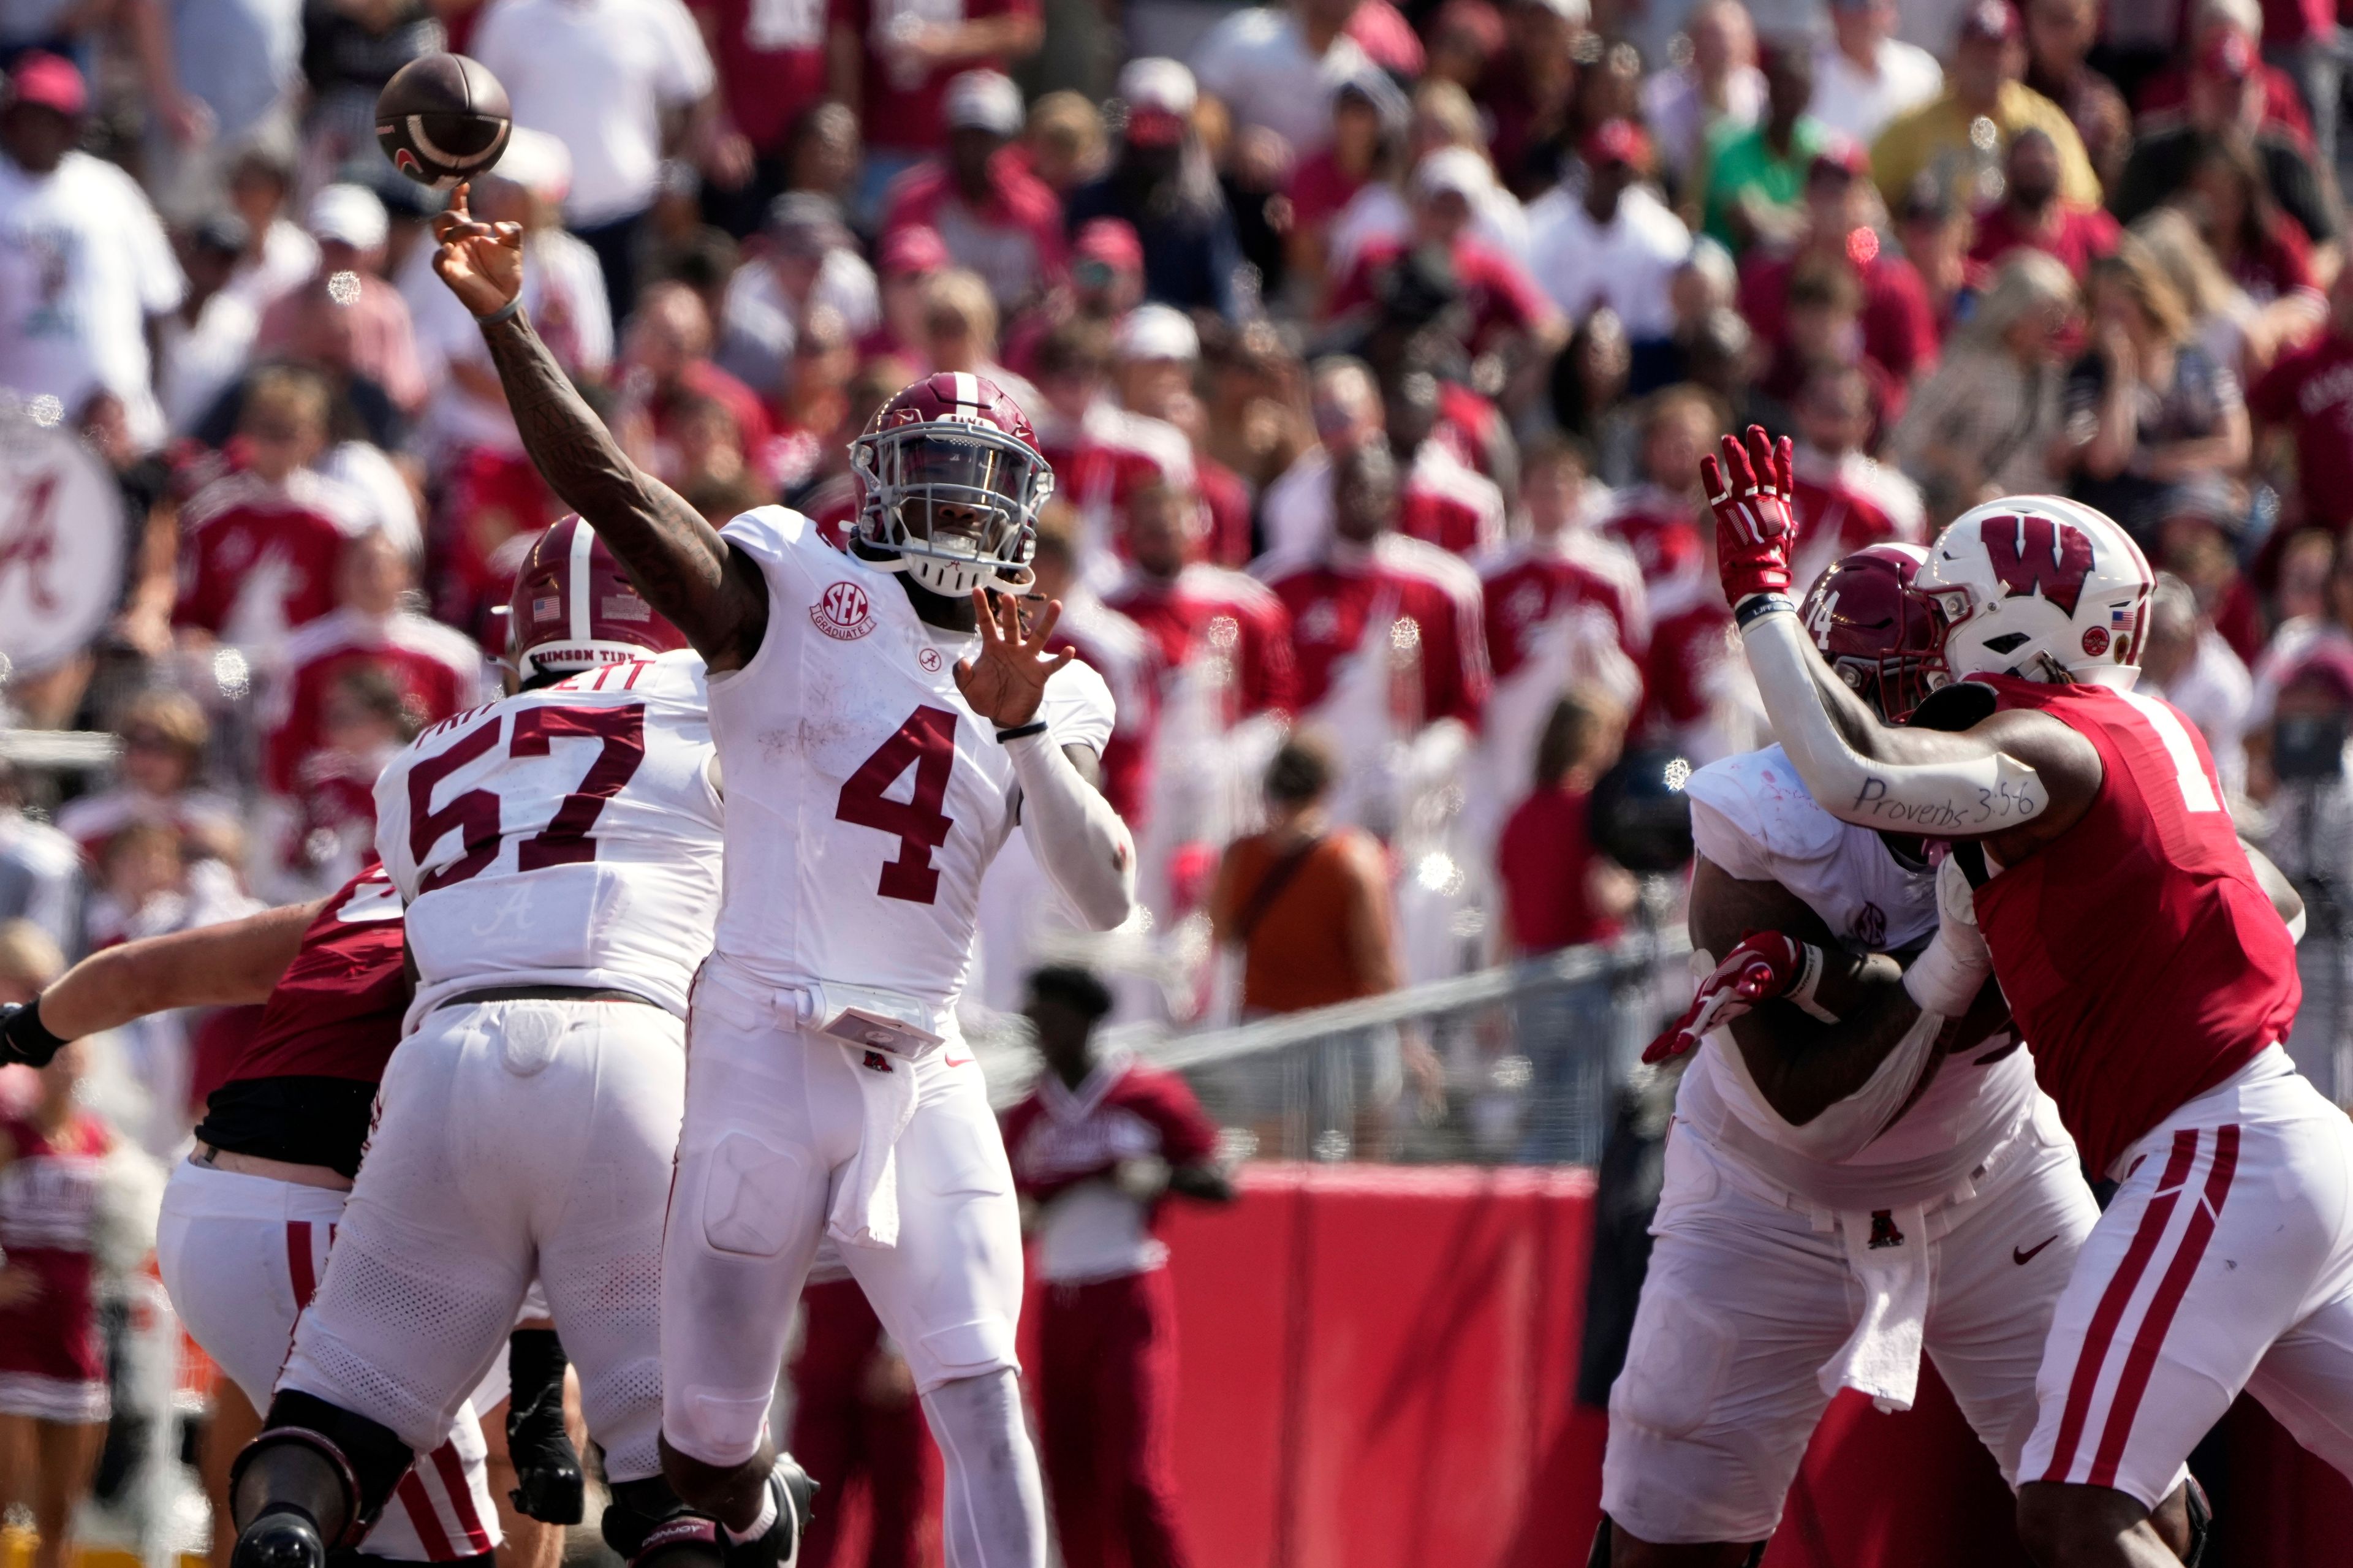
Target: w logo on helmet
[(2038, 552)]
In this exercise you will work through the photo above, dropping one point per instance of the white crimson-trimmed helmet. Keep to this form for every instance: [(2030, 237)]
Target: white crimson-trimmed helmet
[(2041, 587), (952, 449), (574, 608)]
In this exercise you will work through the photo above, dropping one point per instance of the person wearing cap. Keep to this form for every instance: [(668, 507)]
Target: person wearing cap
[(913, 52), (348, 225), (2225, 101), (811, 261), (84, 263), (1161, 185), (202, 344), (1105, 283), (995, 217), (1615, 243), (1864, 76), (1984, 83), (2034, 214), (623, 84), (1157, 355), (1718, 87), (1275, 68), (2226, 39), (904, 266), (1507, 313), (1754, 176)]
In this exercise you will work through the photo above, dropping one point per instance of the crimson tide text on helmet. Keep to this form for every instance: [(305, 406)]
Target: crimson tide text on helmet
[(1879, 635), (2041, 587), (574, 608), (950, 481)]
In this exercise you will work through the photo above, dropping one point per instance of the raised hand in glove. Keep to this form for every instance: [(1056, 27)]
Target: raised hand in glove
[(1749, 490), (548, 1487), (1765, 964), (23, 1039)]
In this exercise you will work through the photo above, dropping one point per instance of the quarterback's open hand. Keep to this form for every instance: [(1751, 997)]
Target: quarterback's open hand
[(1749, 492), (1007, 681), (481, 262)]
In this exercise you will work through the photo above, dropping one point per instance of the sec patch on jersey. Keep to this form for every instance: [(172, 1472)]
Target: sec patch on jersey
[(843, 612)]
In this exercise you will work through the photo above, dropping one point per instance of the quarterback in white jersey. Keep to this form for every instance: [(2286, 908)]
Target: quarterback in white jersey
[(1817, 1235), (558, 852), (884, 718)]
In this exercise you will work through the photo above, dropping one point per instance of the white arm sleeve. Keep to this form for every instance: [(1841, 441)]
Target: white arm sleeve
[(1961, 798), (1844, 1128), (1079, 840)]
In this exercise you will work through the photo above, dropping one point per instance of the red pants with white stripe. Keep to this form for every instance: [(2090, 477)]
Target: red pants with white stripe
[(1106, 1409), (241, 1256), (2225, 1262), (842, 1435)]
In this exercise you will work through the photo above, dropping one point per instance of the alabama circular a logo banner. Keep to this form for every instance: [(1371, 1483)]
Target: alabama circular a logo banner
[(843, 613), (60, 545)]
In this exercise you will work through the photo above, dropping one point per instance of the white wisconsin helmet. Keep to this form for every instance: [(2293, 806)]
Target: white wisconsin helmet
[(2041, 587)]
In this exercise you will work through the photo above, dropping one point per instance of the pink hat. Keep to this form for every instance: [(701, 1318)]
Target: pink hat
[(49, 80), (915, 248), (1112, 241)]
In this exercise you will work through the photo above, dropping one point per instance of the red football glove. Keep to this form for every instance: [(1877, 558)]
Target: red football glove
[(1750, 492), (1765, 964)]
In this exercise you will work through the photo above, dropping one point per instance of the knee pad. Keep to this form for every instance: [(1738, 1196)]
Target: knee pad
[(367, 1457)]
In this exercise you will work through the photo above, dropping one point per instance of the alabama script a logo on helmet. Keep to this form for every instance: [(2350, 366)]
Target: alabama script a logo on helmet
[(843, 613), (2038, 552)]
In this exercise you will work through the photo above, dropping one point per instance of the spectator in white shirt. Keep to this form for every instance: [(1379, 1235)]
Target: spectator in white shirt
[(811, 262), (83, 260), (607, 77), (2185, 659), (1720, 83), (40, 870), (1615, 244), (1864, 76), (203, 345), (1275, 67)]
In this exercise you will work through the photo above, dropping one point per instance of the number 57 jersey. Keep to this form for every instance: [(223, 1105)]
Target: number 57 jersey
[(865, 798), (569, 835)]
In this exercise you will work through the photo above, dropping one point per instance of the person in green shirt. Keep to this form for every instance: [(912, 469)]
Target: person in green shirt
[(1755, 181)]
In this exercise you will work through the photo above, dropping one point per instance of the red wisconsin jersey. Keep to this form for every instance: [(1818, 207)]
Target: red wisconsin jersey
[(1333, 606), (439, 671), (1058, 1136), (258, 560), (2139, 954), (335, 1013), (1205, 611)]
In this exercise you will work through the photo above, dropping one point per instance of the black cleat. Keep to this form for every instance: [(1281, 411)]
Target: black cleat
[(281, 1538), (781, 1547)]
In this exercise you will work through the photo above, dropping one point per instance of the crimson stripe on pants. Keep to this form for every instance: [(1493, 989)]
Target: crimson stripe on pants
[(298, 1261), (461, 1496), (2133, 1382), (429, 1533), (2113, 1301)]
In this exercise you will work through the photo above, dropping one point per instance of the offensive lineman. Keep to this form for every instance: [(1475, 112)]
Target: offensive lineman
[(2140, 952), (558, 853), (1837, 1200), (883, 718)]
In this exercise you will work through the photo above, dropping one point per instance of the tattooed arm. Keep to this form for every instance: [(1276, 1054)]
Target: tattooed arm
[(709, 589)]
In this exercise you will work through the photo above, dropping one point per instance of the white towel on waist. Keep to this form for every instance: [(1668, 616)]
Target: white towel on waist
[(866, 1205), (1888, 1251)]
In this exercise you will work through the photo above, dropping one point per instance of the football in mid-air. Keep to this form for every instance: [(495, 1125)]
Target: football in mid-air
[(442, 119)]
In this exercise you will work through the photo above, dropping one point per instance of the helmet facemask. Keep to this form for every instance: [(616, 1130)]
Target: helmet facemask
[(953, 503)]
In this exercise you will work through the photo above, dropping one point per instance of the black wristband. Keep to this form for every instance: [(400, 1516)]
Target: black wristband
[(1756, 606), (1035, 727), (25, 1039)]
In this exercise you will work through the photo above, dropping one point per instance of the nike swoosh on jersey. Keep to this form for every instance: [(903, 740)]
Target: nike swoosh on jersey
[(955, 1061), (2026, 1256)]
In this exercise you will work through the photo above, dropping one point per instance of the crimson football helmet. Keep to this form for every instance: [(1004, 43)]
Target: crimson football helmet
[(950, 480), (1879, 635), (2041, 587), (574, 608)]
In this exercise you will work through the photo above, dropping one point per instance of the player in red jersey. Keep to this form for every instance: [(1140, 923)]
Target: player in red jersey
[(247, 1217), (1096, 1146), (2141, 954)]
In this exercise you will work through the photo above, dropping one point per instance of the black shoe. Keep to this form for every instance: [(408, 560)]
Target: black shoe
[(279, 1539), (781, 1547)]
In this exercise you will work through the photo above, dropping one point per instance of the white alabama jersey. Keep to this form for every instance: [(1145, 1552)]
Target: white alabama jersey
[(1752, 816), (865, 798), (567, 835)]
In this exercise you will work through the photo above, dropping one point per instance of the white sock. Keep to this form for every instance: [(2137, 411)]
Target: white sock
[(762, 1525), (995, 1506)]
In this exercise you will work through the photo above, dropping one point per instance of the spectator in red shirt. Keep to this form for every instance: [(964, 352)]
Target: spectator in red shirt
[(2265, 251), (1196, 612), (1653, 518), (2233, 28), (2307, 398), (2034, 214), (1097, 1146), (666, 373), (1899, 334), (1106, 282), (996, 217), (914, 48), (1559, 889), (776, 63), (1368, 132)]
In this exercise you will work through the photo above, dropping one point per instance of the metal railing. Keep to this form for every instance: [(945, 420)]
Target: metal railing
[(1514, 1065)]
